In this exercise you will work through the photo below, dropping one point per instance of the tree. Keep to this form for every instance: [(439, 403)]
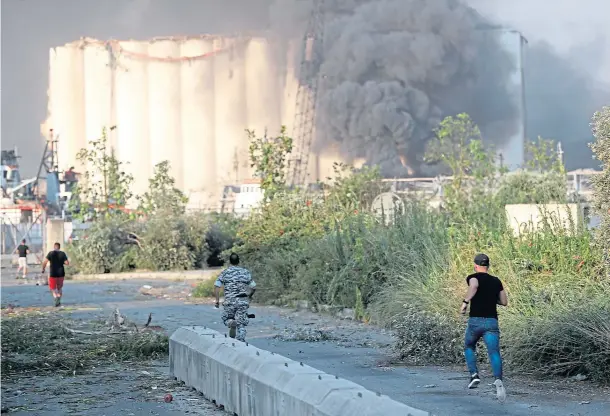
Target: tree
[(355, 188), (543, 182), (601, 183), (458, 146), (268, 157), (162, 195), (542, 157), (105, 188)]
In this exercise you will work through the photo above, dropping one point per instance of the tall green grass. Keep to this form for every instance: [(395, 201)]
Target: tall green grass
[(557, 319), (410, 276)]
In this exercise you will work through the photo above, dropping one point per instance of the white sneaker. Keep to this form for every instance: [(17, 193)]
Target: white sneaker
[(500, 391), (474, 381)]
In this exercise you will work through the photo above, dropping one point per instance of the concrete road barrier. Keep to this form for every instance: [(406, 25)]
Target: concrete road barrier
[(185, 275), (253, 382)]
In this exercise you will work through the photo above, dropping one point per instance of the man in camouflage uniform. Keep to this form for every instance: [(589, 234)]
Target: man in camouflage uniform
[(239, 289)]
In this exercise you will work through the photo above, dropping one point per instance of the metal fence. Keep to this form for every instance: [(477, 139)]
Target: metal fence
[(12, 234)]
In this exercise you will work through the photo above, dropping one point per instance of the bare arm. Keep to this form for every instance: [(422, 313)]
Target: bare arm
[(502, 298), (217, 285), (473, 286), (252, 287), (217, 294), (44, 264)]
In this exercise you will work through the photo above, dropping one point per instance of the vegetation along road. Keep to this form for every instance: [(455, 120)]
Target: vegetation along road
[(136, 382)]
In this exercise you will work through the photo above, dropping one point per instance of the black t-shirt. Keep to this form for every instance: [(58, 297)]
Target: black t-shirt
[(484, 303), (23, 250), (56, 259)]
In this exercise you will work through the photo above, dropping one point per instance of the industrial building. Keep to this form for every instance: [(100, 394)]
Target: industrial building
[(187, 100)]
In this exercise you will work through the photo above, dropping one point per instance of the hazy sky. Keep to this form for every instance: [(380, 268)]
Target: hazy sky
[(29, 28), (571, 26)]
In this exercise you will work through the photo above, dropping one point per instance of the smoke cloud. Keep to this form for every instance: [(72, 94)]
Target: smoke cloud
[(393, 68)]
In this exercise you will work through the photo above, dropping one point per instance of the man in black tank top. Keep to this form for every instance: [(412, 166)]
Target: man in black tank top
[(485, 292)]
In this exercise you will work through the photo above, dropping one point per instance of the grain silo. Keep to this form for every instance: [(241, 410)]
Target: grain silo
[(131, 83), (198, 117), (66, 102), (263, 92), (187, 100), (230, 110), (98, 90), (164, 101)]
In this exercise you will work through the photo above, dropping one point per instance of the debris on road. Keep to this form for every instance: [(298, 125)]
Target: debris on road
[(47, 342), (305, 334)]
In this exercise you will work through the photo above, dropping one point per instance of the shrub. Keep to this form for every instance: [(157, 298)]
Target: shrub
[(103, 247), (165, 244), (205, 288), (601, 149), (425, 337), (566, 339), (221, 236), (530, 188)]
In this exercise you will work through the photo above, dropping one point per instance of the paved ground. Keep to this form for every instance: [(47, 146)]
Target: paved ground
[(356, 352)]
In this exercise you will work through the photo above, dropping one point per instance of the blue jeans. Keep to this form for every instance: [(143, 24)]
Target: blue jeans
[(486, 328)]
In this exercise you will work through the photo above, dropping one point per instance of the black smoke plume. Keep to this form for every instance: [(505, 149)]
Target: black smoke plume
[(393, 68)]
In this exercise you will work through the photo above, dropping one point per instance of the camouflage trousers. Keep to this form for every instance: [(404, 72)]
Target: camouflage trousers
[(238, 312)]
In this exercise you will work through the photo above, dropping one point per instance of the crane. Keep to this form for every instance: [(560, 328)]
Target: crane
[(305, 113)]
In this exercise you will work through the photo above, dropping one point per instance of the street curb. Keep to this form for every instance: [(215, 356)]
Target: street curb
[(253, 382), (191, 275)]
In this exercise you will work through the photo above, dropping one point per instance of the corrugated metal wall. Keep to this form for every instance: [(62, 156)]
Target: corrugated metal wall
[(186, 100)]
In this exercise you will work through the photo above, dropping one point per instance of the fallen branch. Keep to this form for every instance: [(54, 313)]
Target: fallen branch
[(76, 331)]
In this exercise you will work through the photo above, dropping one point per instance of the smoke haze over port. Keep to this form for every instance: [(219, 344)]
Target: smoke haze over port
[(567, 60)]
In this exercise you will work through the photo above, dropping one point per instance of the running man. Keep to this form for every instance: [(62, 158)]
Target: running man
[(58, 259), (23, 252), (484, 293), (239, 289)]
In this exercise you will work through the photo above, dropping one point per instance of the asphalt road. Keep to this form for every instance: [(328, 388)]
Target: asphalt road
[(358, 353)]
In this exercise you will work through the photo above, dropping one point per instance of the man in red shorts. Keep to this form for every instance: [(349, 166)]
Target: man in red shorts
[(58, 259)]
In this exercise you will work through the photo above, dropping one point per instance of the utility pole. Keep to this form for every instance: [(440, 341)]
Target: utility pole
[(560, 153)]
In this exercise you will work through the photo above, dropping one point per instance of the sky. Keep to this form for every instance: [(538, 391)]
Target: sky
[(574, 27), (29, 28)]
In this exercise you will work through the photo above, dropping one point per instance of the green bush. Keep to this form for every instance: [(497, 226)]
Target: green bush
[(103, 248), (165, 246), (165, 241), (530, 188), (221, 236), (205, 289)]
